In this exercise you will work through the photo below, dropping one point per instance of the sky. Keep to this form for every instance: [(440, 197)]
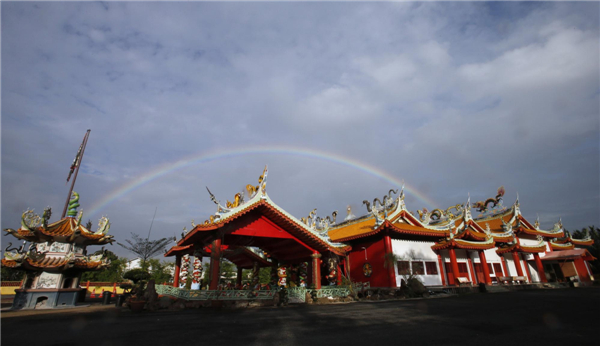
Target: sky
[(343, 101)]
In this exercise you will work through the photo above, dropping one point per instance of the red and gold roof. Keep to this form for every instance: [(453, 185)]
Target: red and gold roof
[(464, 244), (67, 230), (516, 245), (259, 205)]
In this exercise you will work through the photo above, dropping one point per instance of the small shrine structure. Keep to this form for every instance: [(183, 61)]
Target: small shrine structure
[(56, 257)]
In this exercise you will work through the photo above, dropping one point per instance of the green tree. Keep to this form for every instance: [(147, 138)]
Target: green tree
[(145, 248), (161, 271), (228, 272), (12, 274), (114, 272)]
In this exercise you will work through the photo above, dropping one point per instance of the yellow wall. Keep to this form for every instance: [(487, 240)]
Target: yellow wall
[(11, 290)]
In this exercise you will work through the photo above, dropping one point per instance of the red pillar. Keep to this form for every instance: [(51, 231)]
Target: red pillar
[(486, 269), (473, 274), (582, 271), (387, 243), (527, 270), (177, 269), (517, 263), (238, 279), (316, 269), (540, 267), (339, 275), (504, 266), (454, 266), (215, 264), (441, 264)]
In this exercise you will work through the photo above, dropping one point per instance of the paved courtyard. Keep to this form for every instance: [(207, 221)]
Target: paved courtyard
[(551, 317)]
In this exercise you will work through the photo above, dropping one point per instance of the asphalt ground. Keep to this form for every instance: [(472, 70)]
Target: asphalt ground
[(535, 317)]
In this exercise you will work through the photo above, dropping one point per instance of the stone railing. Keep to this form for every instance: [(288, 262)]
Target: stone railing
[(296, 294), (186, 294)]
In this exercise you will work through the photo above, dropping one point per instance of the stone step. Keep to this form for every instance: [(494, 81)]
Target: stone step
[(496, 288)]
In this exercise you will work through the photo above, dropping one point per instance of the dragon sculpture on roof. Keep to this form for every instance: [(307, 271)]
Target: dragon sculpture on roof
[(482, 206)]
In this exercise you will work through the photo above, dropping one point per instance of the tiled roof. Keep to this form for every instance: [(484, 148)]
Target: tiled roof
[(464, 244), (279, 216)]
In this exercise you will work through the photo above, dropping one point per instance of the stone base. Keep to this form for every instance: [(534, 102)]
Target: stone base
[(46, 298)]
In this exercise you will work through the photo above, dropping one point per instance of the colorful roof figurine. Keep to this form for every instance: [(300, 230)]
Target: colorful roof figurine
[(36, 229)]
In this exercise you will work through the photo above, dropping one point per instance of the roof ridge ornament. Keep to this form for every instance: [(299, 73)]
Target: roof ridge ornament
[(30, 220), (467, 213), (483, 206), (261, 187), (73, 205), (536, 224), (349, 216), (487, 231)]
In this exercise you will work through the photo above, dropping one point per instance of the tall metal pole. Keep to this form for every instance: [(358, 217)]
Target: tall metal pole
[(85, 139)]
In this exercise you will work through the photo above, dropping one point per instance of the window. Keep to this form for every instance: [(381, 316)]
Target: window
[(403, 267), (417, 268), (431, 268), (498, 269), (490, 268), (462, 269)]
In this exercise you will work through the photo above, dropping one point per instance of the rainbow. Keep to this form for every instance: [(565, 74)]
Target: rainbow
[(171, 167)]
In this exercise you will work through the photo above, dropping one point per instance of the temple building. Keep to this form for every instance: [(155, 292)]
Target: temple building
[(385, 246), (56, 257)]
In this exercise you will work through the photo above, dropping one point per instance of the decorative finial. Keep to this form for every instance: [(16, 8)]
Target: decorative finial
[(212, 197), (350, 216), (73, 205)]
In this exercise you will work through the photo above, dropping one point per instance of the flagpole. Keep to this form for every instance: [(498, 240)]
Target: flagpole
[(78, 163)]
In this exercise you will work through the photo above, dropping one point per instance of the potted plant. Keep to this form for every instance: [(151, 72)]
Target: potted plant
[(139, 277)]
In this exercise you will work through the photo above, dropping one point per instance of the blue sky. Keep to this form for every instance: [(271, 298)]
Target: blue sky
[(454, 98)]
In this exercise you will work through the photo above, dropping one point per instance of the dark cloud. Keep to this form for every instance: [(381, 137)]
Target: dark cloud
[(454, 98)]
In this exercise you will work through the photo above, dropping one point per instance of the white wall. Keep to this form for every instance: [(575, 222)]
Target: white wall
[(417, 251)]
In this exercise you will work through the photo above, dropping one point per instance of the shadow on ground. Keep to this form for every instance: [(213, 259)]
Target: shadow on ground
[(562, 316)]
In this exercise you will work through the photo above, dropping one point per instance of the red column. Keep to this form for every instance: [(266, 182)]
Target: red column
[(486, 269), (540, 267), (316, 269), (441, 264), (527, 270), (582, 271), (517, 263), (454, 266), (177, 269), (215, 264), (387, 244), (238, 281), (339, 276), (504, 266), (473, 274)]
